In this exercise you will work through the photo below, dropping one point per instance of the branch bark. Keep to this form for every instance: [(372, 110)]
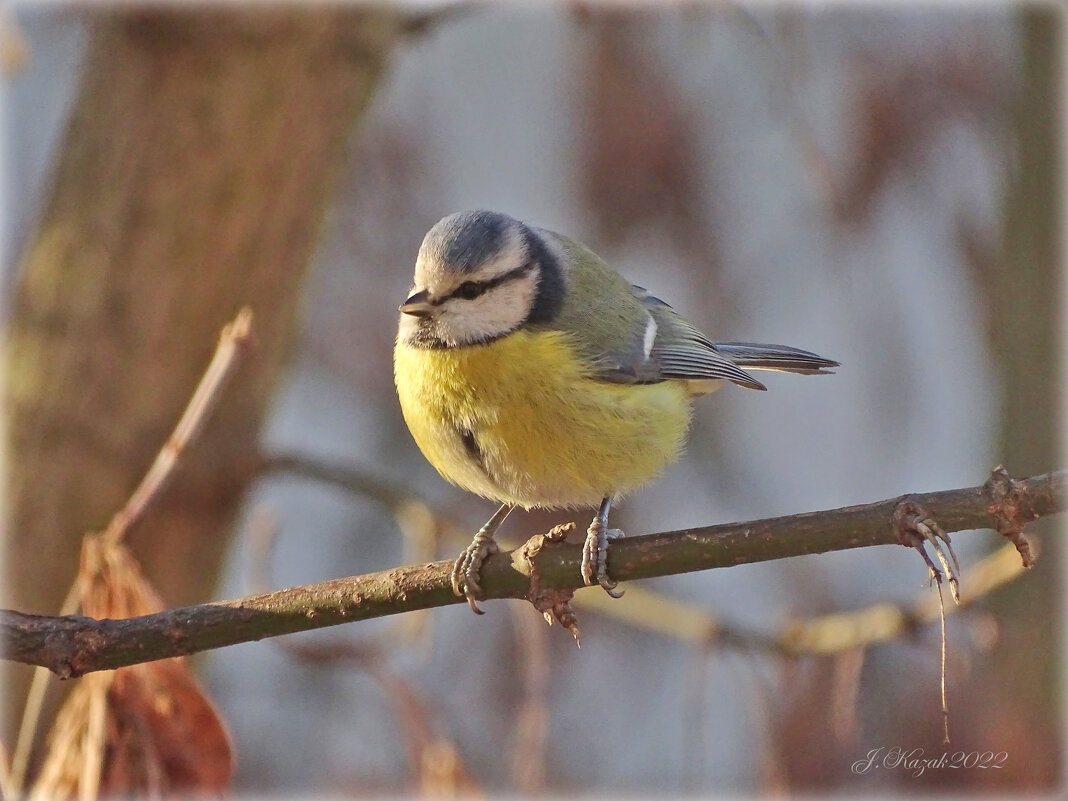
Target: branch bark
[(72, 646)]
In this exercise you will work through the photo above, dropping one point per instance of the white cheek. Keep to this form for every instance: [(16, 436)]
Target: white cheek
[(498, 311)]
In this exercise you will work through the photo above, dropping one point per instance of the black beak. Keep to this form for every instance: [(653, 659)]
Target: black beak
[(418, 304)]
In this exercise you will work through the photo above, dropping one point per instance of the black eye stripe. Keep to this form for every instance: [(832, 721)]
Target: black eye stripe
[(469, 290)]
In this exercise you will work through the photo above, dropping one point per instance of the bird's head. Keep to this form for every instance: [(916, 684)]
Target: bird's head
[(479, 276)]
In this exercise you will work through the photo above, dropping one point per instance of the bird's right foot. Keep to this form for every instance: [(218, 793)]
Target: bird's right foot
[(467, 568)]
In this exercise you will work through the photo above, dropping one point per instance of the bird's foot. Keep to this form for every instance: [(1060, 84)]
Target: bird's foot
[(595, 556), (468, 565)]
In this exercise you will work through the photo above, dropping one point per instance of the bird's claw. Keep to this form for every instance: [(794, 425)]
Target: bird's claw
[(595, 557), (466, 569)]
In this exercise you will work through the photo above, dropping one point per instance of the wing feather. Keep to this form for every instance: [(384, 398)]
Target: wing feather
[(775, 357), (682, 352), (636, 338)]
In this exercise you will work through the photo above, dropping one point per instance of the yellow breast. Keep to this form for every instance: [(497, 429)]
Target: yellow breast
[(520, 421)]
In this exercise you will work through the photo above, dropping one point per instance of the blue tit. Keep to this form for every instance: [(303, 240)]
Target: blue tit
[(531, 373)]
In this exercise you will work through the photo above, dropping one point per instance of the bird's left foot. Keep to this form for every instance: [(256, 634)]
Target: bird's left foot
[(595, 556)]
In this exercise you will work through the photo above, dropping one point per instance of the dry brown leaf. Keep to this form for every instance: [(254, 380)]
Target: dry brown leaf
[(148, 729)]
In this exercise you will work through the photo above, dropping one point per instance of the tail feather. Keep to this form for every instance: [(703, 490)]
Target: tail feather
[(775, 357)]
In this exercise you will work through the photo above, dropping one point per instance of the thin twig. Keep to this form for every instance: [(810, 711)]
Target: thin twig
[(945, 702), (73, 646), (915, 528), (234, 338)]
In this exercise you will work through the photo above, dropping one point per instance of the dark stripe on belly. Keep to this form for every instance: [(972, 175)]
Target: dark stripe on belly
[(467, 437)]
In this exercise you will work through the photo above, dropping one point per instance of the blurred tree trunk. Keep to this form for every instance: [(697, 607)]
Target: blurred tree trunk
[(1024, 304), (1027, 338), (192, 181)]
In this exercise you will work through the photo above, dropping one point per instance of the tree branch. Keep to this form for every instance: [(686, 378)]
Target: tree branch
[(72, 646)]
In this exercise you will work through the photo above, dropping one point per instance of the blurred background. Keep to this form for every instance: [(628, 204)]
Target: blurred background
[(880, 186)]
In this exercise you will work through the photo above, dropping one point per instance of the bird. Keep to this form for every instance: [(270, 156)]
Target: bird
[(531, 373)]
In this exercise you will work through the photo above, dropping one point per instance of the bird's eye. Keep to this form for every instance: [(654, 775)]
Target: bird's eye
[(469, 290)]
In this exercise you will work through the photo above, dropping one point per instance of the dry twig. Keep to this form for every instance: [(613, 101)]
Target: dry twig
[(234, 338), (915, 527)]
